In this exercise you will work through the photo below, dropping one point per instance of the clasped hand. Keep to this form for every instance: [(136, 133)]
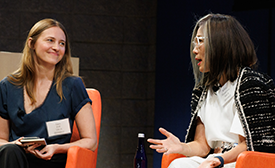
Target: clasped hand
[(45, 153), (210, 163)]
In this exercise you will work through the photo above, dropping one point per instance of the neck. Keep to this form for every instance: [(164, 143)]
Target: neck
[(223, 80), (44, 73)]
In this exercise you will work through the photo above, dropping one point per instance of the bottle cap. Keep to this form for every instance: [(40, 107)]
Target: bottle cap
[(141, 135)]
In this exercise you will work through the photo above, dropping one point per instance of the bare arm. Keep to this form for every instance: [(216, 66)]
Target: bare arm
[(4, 133), (198, 147), (232, 155), (87, 130)]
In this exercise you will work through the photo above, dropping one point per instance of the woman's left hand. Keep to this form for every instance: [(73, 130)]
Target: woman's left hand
[(46, 153), (210, 163)]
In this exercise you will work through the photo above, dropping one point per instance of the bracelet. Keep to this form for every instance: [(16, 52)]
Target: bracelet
[(221, 160), (189, 149), (188, 153)]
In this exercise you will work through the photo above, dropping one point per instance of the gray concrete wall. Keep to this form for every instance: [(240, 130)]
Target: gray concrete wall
[(115, 42)]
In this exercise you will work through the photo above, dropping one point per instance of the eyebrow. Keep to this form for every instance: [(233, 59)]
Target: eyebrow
[(199, 35), (54, 38)]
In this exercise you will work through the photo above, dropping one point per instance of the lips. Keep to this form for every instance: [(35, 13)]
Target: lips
[(200, 61), (54, 53)]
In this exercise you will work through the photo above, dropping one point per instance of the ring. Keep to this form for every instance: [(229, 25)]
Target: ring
[(165, 149)]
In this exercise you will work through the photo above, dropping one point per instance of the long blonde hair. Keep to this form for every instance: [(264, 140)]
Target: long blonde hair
[(25, 75)]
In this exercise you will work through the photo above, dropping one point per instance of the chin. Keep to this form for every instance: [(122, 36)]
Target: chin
[(201, 70)]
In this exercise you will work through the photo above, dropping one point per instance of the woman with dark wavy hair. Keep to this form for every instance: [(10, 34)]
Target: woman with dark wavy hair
[(43, 99), (232, 107)]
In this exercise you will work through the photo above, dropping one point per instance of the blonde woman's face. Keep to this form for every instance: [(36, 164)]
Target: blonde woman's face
[(50, 46), (199, 50)]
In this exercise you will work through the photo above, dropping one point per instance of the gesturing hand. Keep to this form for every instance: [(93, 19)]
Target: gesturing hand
[(169, 145)]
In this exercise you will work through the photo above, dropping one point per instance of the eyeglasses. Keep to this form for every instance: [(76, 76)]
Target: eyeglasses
[(198, 41)]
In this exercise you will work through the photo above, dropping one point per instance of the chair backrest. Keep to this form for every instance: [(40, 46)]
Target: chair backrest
[(96, 106)]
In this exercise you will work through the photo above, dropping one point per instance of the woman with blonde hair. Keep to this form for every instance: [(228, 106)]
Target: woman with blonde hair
[(43, 99), (232, 107)]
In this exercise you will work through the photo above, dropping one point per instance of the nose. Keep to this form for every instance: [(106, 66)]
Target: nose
[(56, 46), (195, 50)]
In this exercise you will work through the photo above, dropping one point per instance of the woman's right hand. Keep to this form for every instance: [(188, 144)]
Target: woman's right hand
[(18, 142), (169, 145)]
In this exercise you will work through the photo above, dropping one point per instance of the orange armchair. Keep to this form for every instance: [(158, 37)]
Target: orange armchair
[(250, 159), (167, 159), (247, 159), (78, 157)]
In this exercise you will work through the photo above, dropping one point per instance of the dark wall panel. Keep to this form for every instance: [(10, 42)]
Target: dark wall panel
[(174, 76)]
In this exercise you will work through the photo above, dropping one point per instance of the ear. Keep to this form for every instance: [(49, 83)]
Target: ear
[(30, 43)]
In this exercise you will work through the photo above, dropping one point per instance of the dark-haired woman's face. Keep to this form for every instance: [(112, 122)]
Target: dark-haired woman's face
[(50, 46), (199, 51)]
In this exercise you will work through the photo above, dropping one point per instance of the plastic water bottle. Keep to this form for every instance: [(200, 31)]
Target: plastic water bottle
[(140, 160)]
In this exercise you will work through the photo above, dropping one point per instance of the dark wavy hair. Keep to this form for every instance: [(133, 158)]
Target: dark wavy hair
[(228, 48)]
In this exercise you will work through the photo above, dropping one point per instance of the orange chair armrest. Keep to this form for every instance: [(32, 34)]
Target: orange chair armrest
[(167, 159), (78, 157), (249, 159)]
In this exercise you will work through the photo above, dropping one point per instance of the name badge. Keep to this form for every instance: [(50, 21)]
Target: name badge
[(58, 127)]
